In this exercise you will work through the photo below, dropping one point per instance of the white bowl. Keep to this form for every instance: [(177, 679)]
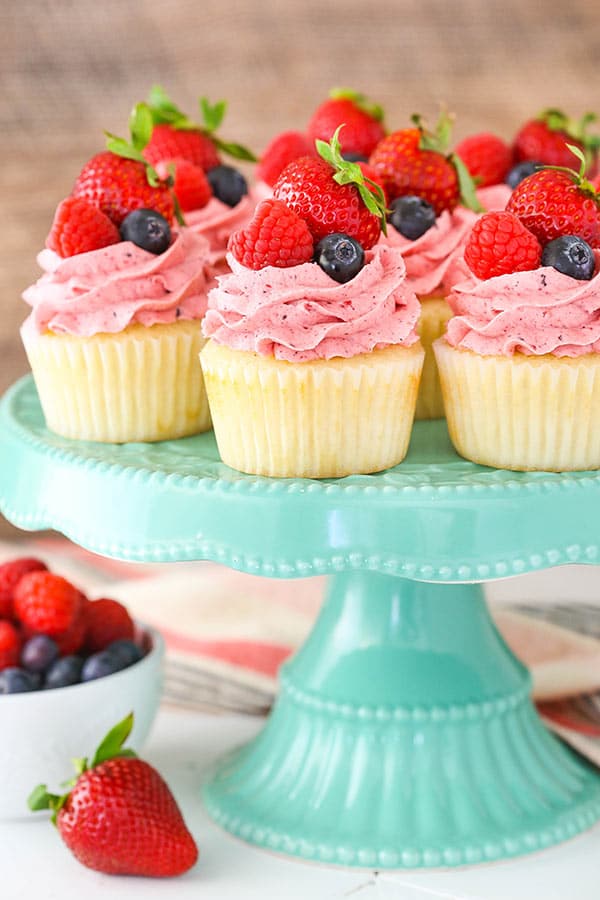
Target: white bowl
[(42, 731)]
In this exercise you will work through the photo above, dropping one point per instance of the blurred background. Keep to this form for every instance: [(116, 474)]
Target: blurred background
[(71, 68)]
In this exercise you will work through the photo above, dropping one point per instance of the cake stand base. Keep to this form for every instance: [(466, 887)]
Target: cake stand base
[(404, 736)]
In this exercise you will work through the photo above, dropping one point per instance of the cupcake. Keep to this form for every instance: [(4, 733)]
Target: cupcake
[(114, 332), (520, 361), (312, 367)]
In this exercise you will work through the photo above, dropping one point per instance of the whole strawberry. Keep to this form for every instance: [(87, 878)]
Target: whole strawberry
[(282, 150), (500, 245), (545, 139), (362, 121), (276, 236), (487, 157), (333, 195), (120, 817), (558, 201), (415, 161)]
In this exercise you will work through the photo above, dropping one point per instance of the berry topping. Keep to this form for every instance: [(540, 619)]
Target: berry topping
[(350, 156), (499, 245), (412, 216), (275, 236), (78, 227), (147, 229), (547, 138), (107, 621), (521, 171), (38, 653), (10, 645), (228, 185), (362, 121), (10, 574), (554, 202), (46, 603), (571, 256), (190, 184), (283, 149), (333, 195), (487, 157), (64, 672), (340, 257), (119, 816), (18, 681)]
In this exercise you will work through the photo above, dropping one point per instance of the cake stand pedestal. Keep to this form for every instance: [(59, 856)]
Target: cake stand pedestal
[(404, 735)]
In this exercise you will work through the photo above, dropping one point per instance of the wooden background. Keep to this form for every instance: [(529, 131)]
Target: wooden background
[(71, 68)]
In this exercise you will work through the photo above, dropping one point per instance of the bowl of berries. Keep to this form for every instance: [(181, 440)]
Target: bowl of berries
[(70, 667)]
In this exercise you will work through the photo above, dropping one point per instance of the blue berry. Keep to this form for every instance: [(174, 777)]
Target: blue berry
[(101, 664), (352, 156), (126, 651), (64, 672), (340, 256), (148, 229), (18, 681), (570, 255), (38, 653), (521, 171), (412, 216), (227, 184)]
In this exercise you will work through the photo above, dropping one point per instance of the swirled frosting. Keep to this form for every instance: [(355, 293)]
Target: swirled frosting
[(537, 312), (106, 290), (435, 261), (300, 313)]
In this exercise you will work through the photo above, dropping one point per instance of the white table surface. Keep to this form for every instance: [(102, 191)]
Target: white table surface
[(34, 863)]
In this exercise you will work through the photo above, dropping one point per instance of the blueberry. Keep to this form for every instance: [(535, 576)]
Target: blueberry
[(412, 216), (340, 256), (64, 672), (148, 229), (228, 185), (351, 156), (126, 651), (101, 664), (521, 171), (18, 681), (570, 255), (38, 653)]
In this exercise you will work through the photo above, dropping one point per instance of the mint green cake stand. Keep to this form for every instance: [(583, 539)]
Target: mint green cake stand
[(404, 734)]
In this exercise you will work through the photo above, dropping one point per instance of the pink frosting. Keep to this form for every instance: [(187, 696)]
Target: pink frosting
[(216, 221), (300, 313), (106, 290), (435, 262), (534, 313)]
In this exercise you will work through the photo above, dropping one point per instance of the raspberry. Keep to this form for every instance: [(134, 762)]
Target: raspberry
[(73, 639), (10, 645), (46, 603), (78, 227), (10, 575), (499, 245), (276, 236), (191, 185), (106, 621), (487, 157), (167, 142), (283, 149)]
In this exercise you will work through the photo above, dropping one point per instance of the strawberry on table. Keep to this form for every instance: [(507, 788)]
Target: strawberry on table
[(362, 121), (119, 817), (545, 139), (487, 157)]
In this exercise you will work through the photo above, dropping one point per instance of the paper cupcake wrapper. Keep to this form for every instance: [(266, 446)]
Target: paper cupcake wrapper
[(142, 384), (317, 419), (435, 312), (522, 412)]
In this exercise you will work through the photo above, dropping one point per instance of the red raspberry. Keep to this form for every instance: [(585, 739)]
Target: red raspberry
[(10, 575), (10, 645), (78, 227), (276, 236), (74, 637), (46, 603), (499, 245), (191, 186), (283, 149), (106, 621), (487, 157), (168, 142)]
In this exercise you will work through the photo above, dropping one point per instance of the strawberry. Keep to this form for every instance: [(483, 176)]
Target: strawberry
[(414, 161), (190, 186), (175, 135), (332, 195), (545, 139), (487, 157), (78, 227), (276, 236), (499, 245), (10, 574), (558, 201), (283, 149), (106, 621), (119, 817), (362, 121), (46, 603), (10, 645)]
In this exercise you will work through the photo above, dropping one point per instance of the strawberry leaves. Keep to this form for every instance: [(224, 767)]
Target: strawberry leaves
[(140, 127), (439, 141)]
